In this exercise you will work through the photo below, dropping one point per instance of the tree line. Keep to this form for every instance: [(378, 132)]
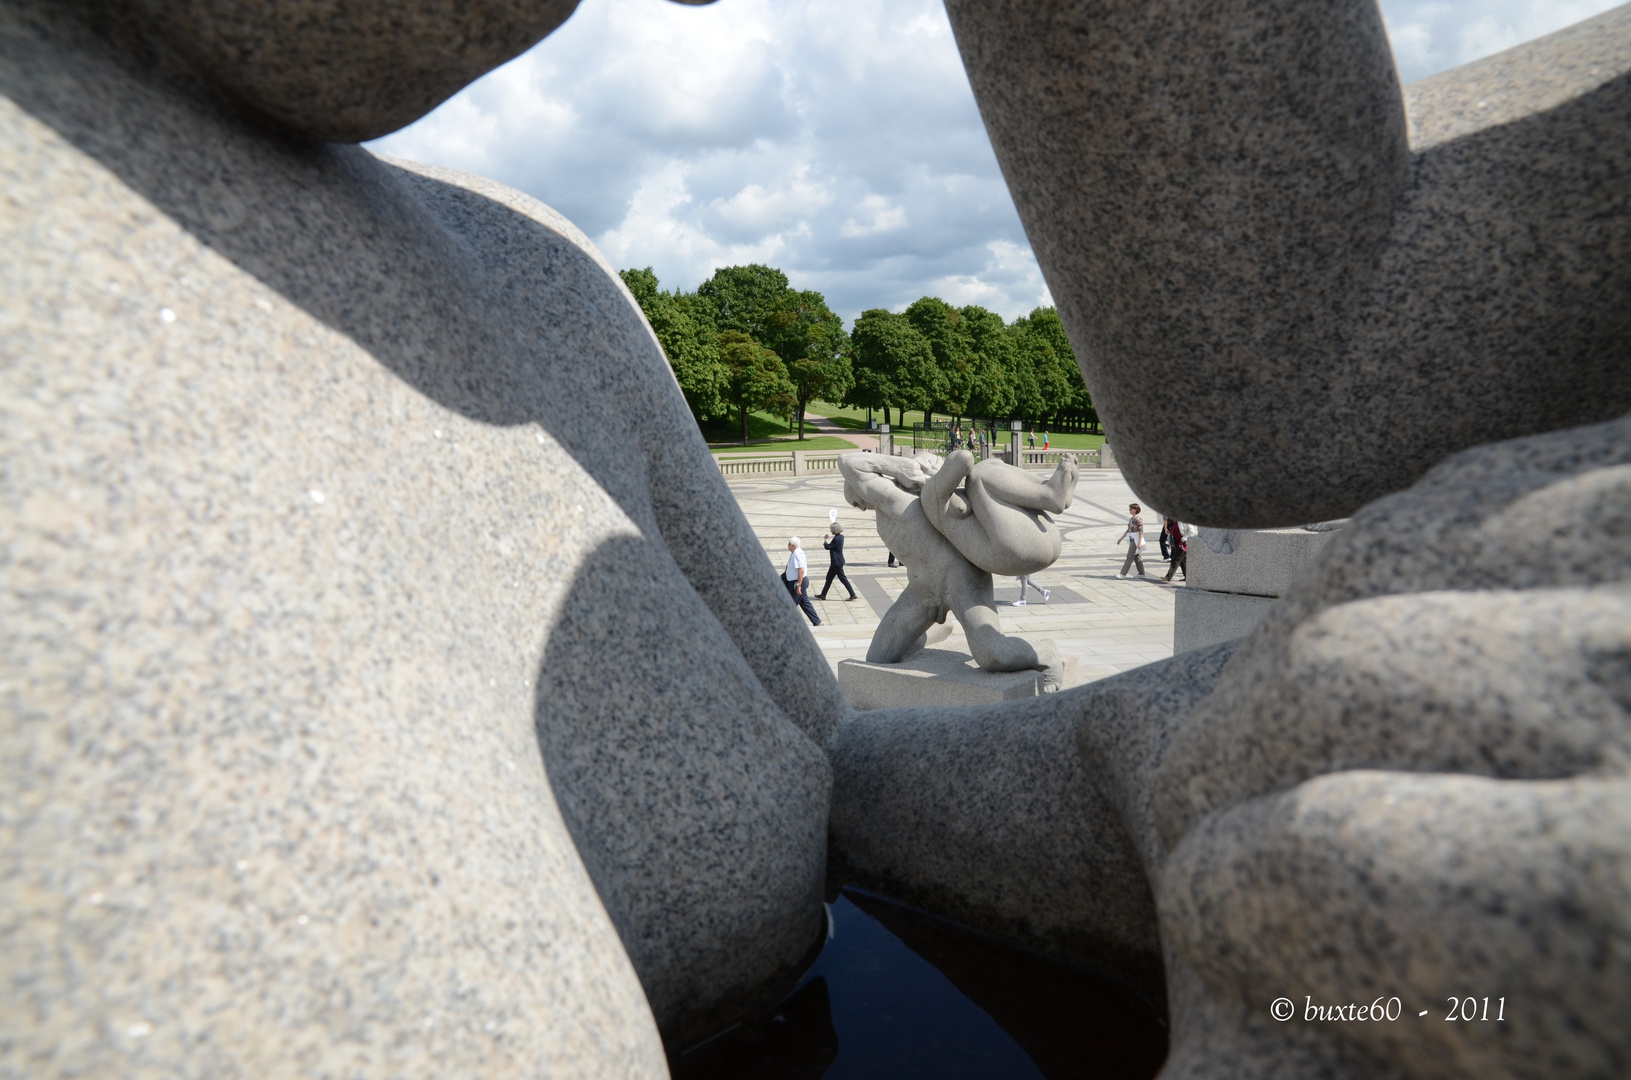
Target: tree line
[(747, 341)]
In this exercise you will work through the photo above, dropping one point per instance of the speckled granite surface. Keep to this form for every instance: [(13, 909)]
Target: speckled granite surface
[(1413, 776), (323, 753), (1226, 207), (343, 72), (1029, 820)]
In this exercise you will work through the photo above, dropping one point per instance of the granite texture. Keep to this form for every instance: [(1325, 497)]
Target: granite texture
[(1256, 562), (942, 677), (1363, 884), (1236, 203), (1474, 623), (346, 726), (1413, 777), (1201, 618), (1234, 576), (341, 72), (953, 523), (1030, 820)]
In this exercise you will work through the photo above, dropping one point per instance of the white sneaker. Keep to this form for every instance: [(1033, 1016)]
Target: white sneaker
[(1045, 595), (1019, 603), (1121, 575)]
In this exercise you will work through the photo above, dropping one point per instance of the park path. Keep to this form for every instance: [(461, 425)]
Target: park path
[(821, 425)]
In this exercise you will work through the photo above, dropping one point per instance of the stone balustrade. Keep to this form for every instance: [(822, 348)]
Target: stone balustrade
[(785, 463)]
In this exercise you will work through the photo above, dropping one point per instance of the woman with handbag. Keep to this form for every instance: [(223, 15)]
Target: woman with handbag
[(1134, 538)]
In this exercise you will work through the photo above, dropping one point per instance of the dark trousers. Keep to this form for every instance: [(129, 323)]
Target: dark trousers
[(801, 597), (1180, 562), (1133, 557), (835, 572)]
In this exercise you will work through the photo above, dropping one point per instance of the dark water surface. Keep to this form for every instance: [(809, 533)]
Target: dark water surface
[(900, 995)]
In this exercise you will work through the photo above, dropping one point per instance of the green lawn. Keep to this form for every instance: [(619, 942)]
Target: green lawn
[(763, 426), (854, 419), (857, 417), (1068, 442), (782, 446), (760, 426)]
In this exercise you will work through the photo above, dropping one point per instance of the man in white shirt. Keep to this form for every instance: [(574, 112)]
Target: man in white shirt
[(795, 578)]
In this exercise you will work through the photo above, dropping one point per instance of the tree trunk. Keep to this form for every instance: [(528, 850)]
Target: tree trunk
[(743, 413), (801, 423)]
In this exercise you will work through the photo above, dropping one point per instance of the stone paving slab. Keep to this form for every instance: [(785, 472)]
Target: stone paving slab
[(1108, 624)]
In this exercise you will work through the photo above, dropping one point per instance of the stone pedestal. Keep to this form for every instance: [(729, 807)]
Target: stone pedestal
[(1230, 591), (937, 677)]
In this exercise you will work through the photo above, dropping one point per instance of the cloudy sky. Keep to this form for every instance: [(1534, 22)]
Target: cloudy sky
[(836, 139)]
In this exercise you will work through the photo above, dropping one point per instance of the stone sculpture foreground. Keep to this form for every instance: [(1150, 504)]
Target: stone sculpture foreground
[(346, 730)]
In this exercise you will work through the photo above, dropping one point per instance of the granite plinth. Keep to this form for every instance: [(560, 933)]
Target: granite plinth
[(1201, 618), (938, 677), (1255, 562), (1231, 589)]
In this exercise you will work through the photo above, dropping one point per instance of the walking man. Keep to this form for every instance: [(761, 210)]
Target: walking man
[(1134, 538), (835, 568), (797, 580)]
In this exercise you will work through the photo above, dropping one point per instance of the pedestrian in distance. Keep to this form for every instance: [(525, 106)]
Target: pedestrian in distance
[(1031, 438), (1044, 438), (1166, 554), (797, 579), (1026, 582), (1174, 534), (1134, 539), (835, 568)]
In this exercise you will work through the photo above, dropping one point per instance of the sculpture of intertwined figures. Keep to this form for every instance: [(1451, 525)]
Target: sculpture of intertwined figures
[(954, 522)]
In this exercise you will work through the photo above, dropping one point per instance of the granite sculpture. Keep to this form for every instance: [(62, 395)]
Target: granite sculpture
[(1412, 778), (313, 762), (1233, 202), (953, 523), (318, 756)]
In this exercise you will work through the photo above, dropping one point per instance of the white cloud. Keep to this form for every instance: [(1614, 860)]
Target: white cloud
[(1430, 36), (837, 139), (881, 218)]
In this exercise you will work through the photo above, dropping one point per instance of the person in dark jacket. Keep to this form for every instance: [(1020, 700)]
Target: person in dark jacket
[(1174, 535), (835, 569)]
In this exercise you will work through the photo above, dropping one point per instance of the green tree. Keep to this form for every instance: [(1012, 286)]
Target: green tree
[(811, 341), (892, 363), (744, 298), (989, 391), (688, 341), (942, 326), (755, 377), (1049, 380)]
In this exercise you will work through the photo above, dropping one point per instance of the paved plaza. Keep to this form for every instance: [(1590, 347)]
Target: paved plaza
[(1108, 624)]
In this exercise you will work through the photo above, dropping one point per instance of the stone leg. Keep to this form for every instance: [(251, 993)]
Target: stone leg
[(904, 626)]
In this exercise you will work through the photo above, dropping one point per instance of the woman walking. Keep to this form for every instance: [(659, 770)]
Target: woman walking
[(1134, 538)]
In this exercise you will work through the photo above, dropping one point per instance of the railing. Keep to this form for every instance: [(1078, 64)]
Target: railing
[(786, 463), (1049, 459), (825, 462)]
